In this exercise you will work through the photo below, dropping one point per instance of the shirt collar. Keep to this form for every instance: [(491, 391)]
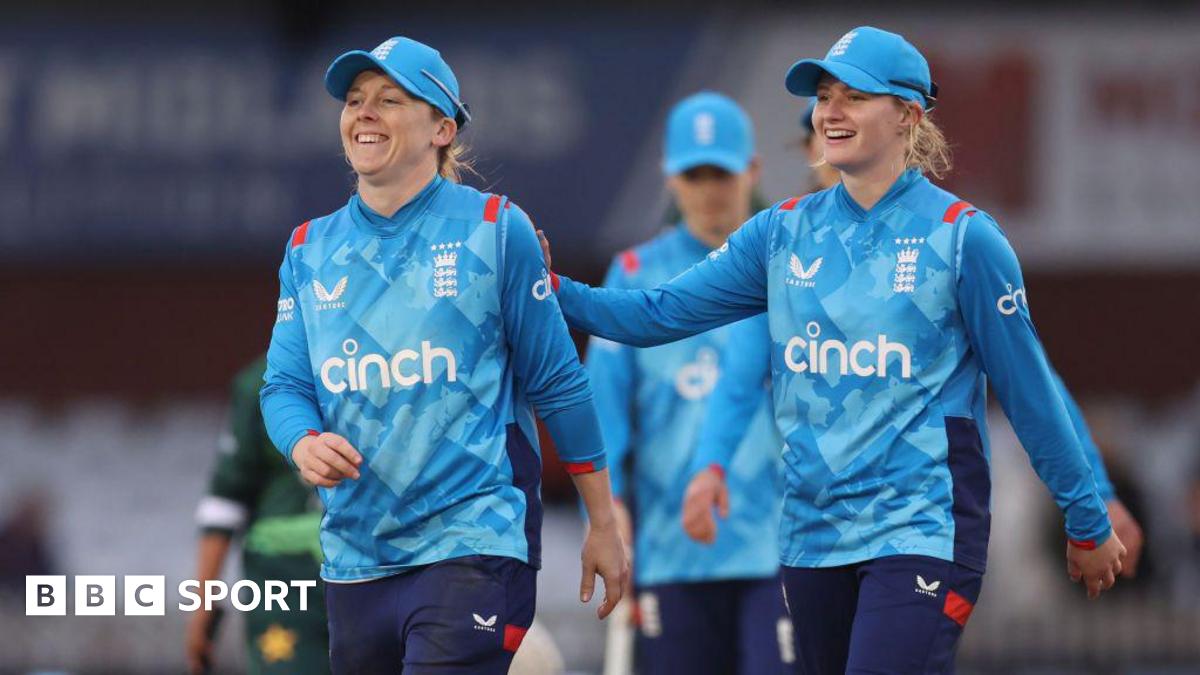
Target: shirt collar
[(406, 215), (905, 181)]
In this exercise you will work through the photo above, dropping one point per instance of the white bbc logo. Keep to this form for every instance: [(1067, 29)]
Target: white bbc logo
[(96, 595), (146, 595)]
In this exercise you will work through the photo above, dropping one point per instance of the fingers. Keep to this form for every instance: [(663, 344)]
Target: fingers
[(545, 243), (587, 581), (336, 461), (342, 447), (699, 524), (723, 501), (1074, 571), (326, 460), (1132, 556), (1093, 588), (614, 590)]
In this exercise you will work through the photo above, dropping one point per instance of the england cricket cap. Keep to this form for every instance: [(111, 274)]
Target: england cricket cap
[(708, 129), (416, 67), (872, 61)]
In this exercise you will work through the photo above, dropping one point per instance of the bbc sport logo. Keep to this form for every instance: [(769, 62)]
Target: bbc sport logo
[(146, 595)]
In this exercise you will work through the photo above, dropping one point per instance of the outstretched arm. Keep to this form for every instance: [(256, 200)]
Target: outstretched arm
[(730, 284)]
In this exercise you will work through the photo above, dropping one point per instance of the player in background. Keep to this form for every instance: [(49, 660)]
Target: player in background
[(254, 493), (882, 296), (416, 334), (703, 609), (747, 361), (746, 364)]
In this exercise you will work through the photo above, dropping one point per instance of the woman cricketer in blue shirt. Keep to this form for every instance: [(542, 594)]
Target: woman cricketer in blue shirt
[(415, 335), (892, 304)]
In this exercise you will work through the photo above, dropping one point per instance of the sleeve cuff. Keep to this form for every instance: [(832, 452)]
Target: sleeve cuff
[(1092, 537), (707, 456), (291, 444), (1090, 544), (576, 434)]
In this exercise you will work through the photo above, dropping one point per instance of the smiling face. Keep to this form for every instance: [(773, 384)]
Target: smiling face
[(386, 133), (861, 132)]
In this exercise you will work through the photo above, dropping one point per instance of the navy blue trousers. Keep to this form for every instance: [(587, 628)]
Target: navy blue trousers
[(897, 615), (714, 628), (460, 616)]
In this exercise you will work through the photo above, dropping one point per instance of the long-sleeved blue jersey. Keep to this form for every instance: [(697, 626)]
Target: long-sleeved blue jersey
[(651, 403), (424, 338), (746, 362), (885, 325)]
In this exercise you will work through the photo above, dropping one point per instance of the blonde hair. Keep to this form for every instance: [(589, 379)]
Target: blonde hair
[(453, 162), (928, 149)]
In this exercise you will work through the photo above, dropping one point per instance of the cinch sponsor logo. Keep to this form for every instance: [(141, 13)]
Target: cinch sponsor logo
[(696, 380), (354, 372), (815, 356), (1008, 304), (146, 595), (542, 287)]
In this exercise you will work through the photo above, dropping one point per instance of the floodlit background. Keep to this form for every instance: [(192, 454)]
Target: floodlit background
[(153, 164)]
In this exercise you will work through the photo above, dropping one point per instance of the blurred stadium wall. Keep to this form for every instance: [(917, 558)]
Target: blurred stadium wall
[(150, 169)]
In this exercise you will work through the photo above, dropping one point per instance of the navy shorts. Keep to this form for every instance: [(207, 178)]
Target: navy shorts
[(899, 614), (716, 627), (463, 615)]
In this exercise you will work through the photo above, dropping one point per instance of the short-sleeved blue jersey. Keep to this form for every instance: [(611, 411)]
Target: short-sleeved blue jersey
[(886, 326), (424, 339), (651, 403)]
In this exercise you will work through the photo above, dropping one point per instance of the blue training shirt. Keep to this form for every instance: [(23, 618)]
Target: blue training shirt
[(885, 326), (746, 361), (425, 339), (651, 403)]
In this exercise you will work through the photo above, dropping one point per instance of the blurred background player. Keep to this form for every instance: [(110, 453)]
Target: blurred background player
[(745, 366), (253, 492), (703, 609), (416, 332), (880, 359)]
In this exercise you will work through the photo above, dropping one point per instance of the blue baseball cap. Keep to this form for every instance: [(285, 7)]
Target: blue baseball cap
[(708, 129), (870, 60), (416, 67)]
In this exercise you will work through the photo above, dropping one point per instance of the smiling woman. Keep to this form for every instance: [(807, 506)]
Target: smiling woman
[(407, 392), (881, 298)]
